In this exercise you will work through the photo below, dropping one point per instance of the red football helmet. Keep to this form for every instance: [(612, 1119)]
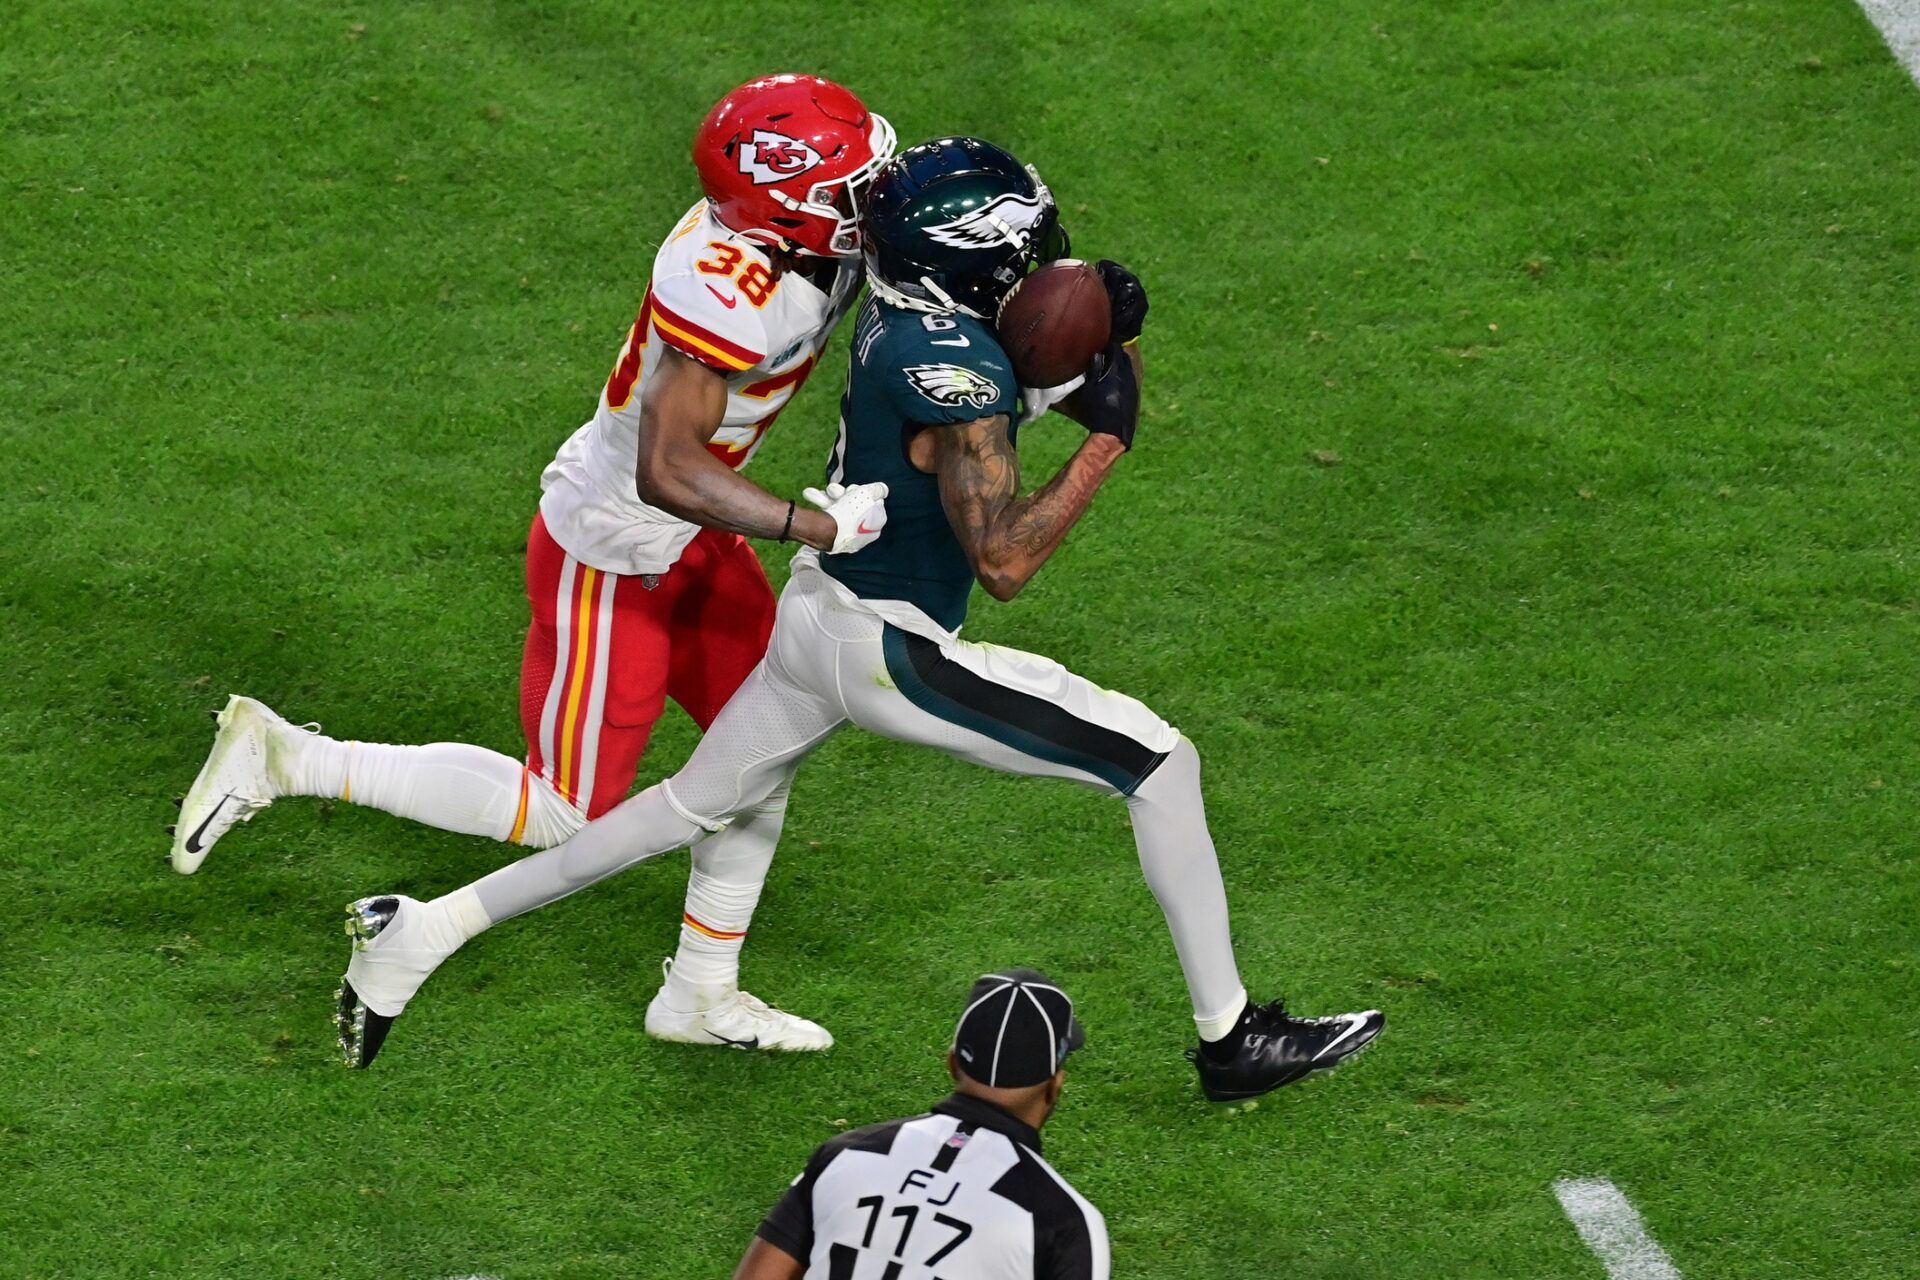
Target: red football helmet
[(784, 160)]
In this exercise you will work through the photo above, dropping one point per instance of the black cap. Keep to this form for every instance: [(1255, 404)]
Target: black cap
[(1016, 1030)]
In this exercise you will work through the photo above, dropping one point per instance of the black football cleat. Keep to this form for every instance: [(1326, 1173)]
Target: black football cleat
[(1269, 1048), (361, 1030)]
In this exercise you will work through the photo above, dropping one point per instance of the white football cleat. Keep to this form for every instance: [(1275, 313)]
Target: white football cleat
[(236, 782), (733, 1019), (397, 944)]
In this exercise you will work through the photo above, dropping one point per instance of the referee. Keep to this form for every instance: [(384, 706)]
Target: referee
[(960, 1193)]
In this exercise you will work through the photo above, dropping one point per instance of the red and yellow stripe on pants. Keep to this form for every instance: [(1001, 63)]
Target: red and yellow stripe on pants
[(604, 653), (565, 746)]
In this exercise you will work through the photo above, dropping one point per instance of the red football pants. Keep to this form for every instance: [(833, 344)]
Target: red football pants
[(604, 654)]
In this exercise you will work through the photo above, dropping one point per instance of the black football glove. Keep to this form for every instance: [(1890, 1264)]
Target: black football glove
[(1108, 402), (1126, 296)]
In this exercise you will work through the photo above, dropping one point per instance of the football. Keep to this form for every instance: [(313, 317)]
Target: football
[(1053, 322)]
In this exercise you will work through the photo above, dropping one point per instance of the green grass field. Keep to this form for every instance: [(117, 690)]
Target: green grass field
[(1523, 526)]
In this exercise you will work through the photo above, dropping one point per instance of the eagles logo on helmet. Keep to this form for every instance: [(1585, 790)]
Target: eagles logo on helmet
[(952, 224), (785, 160), (1008, 219)]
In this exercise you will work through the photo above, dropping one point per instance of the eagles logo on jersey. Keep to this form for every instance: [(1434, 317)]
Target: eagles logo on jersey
[(951, 384)]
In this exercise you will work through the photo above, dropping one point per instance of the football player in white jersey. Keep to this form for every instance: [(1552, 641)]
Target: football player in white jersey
[(931, 409), (641, 585)]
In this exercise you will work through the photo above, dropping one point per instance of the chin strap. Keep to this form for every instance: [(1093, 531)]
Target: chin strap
[(941, 302), (944, 298)]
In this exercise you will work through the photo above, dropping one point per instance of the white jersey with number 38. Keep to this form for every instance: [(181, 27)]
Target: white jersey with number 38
[(715, 297)]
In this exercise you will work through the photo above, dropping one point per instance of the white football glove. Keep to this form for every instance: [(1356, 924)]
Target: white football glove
[(859, 512), (1035, 401)]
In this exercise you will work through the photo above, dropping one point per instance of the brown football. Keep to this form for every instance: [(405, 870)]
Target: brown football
[(1053, 322)]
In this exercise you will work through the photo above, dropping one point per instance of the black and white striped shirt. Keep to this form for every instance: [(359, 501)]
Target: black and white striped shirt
[(958, 1194)]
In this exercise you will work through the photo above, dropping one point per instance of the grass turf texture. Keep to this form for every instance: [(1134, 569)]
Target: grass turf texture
[(1567, 715)]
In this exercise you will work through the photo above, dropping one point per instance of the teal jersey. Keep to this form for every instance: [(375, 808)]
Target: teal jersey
[(910, 370)]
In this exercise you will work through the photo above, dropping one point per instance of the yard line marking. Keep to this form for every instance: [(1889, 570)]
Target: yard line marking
[(1609, 1226), (1899, 23)]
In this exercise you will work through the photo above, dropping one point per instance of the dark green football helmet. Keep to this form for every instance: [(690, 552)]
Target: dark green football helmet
[(952, 225)]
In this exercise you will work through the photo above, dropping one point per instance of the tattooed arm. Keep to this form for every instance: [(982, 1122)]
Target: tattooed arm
[(1007, 537)]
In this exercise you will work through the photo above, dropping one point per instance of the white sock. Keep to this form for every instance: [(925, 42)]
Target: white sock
[(1213, 1026), (1177, 856), (450, 785), (638, 828), (464, 911), (729, 870)]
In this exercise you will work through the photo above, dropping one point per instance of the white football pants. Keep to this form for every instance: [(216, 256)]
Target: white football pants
[(832, 662)]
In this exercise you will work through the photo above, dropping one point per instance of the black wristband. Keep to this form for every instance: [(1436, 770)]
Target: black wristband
[(787, 528)]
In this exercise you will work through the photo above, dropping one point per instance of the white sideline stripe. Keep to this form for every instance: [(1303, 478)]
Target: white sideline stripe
[(1899, 23), (1609, 1226)]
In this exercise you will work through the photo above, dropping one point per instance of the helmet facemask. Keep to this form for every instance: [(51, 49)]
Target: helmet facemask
[(1047, 241), (837, 200)]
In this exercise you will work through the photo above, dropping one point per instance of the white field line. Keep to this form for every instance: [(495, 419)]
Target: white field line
[(1609, 1226), (1899, 23)]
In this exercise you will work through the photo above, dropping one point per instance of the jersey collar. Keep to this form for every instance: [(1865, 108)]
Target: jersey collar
[(984, 1115)]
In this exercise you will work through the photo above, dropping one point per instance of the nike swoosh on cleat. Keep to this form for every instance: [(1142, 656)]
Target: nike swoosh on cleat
[(738, 1044), (725, 301), (193, 841), (1353, 1027)]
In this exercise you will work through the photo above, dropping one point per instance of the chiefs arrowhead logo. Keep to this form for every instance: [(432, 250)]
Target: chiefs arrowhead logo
[(770, 157)]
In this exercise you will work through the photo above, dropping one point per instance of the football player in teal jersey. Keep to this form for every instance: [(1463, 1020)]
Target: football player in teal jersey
[(931, 412)]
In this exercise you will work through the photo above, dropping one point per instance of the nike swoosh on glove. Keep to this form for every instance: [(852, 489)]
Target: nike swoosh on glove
[(859, 513)]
